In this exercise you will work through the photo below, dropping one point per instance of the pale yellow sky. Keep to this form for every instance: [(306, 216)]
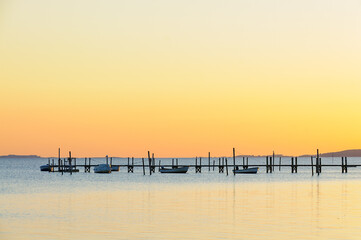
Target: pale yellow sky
[(179, 78)]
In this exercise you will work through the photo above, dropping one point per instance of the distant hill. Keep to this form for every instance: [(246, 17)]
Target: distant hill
[(345, 153), (276, 155), (20, 156)]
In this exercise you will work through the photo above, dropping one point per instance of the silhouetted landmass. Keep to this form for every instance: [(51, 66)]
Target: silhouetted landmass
[(276, 155), (20, 156), (345, 153)]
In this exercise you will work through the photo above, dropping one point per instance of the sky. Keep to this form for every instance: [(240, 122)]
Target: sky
[(179, 78)]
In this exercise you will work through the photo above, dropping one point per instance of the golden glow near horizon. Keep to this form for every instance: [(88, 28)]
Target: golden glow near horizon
[(179, 78)]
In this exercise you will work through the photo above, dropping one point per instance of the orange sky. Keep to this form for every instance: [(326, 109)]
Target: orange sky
[(179, 79)]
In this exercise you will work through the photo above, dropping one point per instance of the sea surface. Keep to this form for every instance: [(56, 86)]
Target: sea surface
[(210, 205)]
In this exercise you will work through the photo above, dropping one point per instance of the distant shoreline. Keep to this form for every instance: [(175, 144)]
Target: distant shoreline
[(345, 153), (20, 156)]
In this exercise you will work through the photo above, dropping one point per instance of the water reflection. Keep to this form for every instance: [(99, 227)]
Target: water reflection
[(272, 210)]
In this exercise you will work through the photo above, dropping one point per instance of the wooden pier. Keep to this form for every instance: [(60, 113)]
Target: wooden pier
[(70, 164)]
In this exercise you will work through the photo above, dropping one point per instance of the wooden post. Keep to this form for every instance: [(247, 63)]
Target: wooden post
[(209, 161), (292, 163), (267, 164), (58, 159), (196, 165), (133, 161), (342, 167), (111, 161), (70, 167), (273, 161), (279, 167), (177, 162), (172, 162), (234, 161), (87, 165), (153, 159), (213, 164), (106, 159), (243, 162), (199, 167), (345, 164), (227, 166), (159, 165), (143, 166), (317, 164), (312, 164), (150, 163), (220, 167), (296, 165)]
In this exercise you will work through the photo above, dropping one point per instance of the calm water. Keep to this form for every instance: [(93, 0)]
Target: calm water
[(41, 205)]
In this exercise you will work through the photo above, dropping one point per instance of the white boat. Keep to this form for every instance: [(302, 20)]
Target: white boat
[(46, 168), (182, 169), (103, 168), (252, 170), (115, 168)]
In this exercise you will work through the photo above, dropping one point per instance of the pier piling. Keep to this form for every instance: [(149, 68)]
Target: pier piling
[(279, 169), (227, 166), (220, 167), (143, 166), (150, 163), (209, 161), (234, 161)]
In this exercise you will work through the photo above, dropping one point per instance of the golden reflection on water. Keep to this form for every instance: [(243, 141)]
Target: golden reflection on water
[(274, 210)]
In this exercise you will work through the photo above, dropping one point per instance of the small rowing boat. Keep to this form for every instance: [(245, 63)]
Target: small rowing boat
[(115, 168), (103, 168), (252, 170), (182, 169), (46, 168)]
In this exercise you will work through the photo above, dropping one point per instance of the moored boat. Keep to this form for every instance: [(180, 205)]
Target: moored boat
[(182, 169), (46, 168), (114, 168), (103, 168), (252, 170)]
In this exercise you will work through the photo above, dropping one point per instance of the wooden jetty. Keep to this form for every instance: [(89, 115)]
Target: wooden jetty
[(70, 164)]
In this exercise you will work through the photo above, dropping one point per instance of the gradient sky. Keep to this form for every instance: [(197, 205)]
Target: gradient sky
[(179, 78)]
